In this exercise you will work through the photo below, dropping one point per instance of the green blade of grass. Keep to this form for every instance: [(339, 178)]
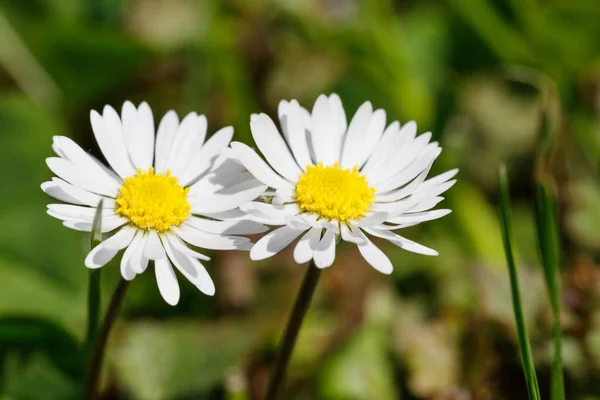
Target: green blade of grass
[(94, 285), (524, 347), (547, 227)]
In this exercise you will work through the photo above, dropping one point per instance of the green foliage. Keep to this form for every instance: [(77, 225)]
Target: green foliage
[(462, 69)]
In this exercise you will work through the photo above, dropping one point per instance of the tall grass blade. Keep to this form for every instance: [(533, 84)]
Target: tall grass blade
[(547, 227), (524, 347)]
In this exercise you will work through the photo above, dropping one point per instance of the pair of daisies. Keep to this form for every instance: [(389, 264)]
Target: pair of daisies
[(168, 192)]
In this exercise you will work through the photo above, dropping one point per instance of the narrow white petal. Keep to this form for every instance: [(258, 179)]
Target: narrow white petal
[(138, 130), (273, 147), (261, 171), (167, 281), (402, 242), (323, 132), (210, 240), (378, 156), (349, 236), (273, 242), (183, 136), (66, 192), (385, 157), (406, 190), (176, 242), (297, 132), (201, 162), (106, 251), (153, 249), (87, 165), (409, 173), (131, 262), (109, 223), (304, 250), (371, 138), (374, 256), (167, 128), (191, 268), (233, 227), (230, 197), (324, 254), (420, 217), (191, 147), (353, 145), (109, 135)]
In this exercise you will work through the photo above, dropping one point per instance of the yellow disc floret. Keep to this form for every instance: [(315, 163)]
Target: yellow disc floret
[(334, 193), (153, 201)]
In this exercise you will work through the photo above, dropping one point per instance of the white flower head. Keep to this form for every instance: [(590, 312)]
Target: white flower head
[(161, 194), (331, 179)]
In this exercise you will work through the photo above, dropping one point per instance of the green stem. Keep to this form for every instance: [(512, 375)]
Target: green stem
[(93, 303), (96, 362), (93, 309), (309, 284)]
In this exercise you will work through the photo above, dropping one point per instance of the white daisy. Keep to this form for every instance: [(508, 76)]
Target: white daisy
[(164, 193), (331, 179)]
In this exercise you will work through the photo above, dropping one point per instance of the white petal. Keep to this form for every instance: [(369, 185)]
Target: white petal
[(384, 146), (191, 268), (410, 172), (183, 137), (66, 192), (325, 139), (355, 138), (210, 240), (261, 171), (153, 249), (406, 190), (375, 218), (234, 227), (374, 256), (370, 139), (78, 213), (304, 250), (230, 197), (402, 242), (403, 158), (202, 161), (385, 157), (273, 242), (109, 135), (106, 251), (167, 281), (167, 128), (419, 217), (268, 213), (297, 124), (324, 254), (133, 261), (348, 235), (87, 165), (191, 147), (138, 130), (109, 223), (273, 147), (178, 244)]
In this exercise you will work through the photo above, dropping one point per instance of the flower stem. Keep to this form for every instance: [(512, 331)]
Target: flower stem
[(96, 362), (94, 285), (309, 284), (93, 310)]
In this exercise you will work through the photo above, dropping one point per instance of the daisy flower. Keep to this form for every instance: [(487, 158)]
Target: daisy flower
[(329, 180), (162, 195)]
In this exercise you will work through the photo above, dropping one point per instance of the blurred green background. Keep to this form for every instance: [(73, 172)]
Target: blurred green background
[(477, 73)]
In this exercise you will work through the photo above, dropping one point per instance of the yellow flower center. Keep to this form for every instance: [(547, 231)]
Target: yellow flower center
[(152, 201), (334, 193)]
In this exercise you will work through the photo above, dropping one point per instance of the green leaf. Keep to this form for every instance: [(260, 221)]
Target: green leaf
[(547, 225), (26, 335), (524, 346), (156, 361), (361, 369)]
